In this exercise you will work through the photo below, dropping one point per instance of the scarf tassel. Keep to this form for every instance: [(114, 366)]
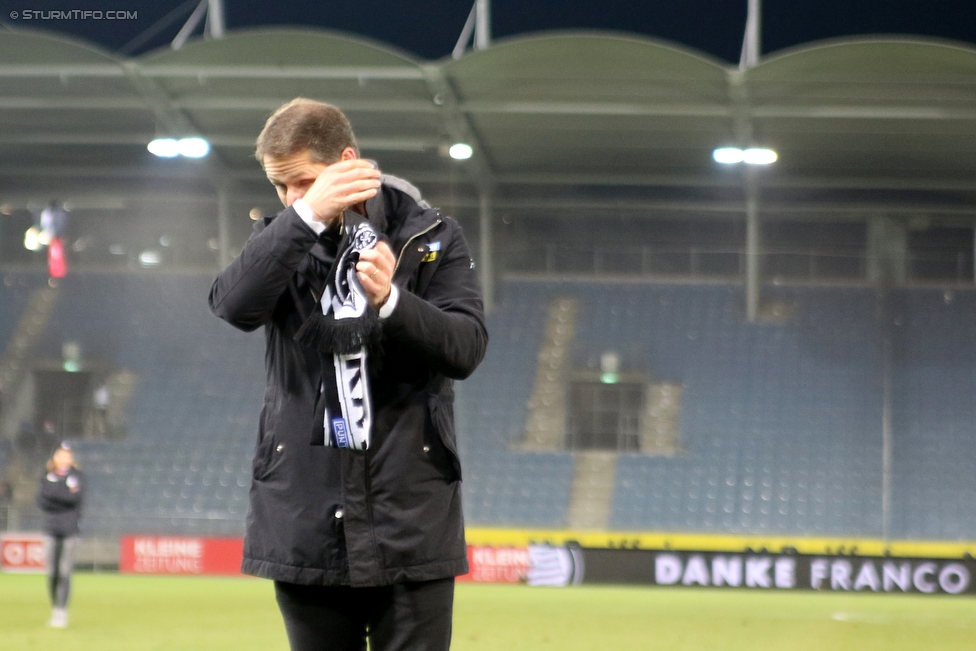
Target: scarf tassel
[(326, 334)]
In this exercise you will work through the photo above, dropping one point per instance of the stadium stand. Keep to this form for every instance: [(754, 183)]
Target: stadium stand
[(13, 299), (780, 423), (185, 463), (933, 414), (503, 486)]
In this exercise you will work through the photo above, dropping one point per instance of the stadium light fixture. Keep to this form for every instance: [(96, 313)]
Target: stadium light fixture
[(71, 356), (759, 156), (609, 367), (727, 155), (165, 147), (150, 258), (187, 147), (750, 156), (31, 239), (193, 147), (460, 151)]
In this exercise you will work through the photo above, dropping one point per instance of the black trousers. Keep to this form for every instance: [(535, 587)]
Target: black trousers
[(402, 617), (60, 562)]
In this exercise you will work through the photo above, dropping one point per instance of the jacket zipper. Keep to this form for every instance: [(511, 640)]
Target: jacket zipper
[(412, 238), (367, 480)]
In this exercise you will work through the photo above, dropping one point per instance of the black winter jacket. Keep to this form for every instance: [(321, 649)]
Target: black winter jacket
[(330, 516), (61, 505)]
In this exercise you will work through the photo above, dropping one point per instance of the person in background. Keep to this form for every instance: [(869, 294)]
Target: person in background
[(102, 399), (6, 499), (60, 496)]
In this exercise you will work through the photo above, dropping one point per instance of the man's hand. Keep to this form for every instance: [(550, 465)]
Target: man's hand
[(341, 186), (375, 272)]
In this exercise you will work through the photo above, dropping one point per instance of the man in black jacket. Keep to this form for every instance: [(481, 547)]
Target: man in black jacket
[(371, 308)]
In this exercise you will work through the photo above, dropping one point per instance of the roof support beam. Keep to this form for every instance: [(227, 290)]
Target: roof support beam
[(353, 73), (132, 103), (416, 145), (820, 112), (268, 104), (754, 250), (223, 225), (544, 108), (961, 216), (823, 111), (212, 28), (458, 126), (478, 24), (541, 180), (178, 124), (752, 41), (743, 133), (730, 181), (478, 167), (486, 249), (61, 70), (171, 119), (595, 108), (264, 105)]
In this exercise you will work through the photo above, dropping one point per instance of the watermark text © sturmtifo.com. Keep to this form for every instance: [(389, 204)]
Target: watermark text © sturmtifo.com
[(74, 14)]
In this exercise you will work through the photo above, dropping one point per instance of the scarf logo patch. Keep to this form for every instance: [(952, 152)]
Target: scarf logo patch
[(364, 238)]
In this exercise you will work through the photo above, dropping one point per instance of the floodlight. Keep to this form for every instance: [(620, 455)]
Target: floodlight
[(460, 151), (164, 147), (609, 367), (751, 156), (759, 156), (188, 147), (149, 258), (728, 155), (31, 242), (193, 147)]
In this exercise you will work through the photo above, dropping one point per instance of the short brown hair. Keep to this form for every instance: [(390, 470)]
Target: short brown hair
[(306, 125)]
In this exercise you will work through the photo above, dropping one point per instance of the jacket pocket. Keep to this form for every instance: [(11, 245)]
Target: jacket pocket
[(442, 418), (265, 451)]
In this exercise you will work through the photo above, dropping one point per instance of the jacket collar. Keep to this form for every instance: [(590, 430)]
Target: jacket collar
[(399, 211)]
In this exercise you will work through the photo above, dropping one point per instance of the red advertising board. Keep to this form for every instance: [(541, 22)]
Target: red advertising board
[(497, 564), (23, 552), (180, 555)]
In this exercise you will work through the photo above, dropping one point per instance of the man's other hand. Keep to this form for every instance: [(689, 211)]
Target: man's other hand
[(375, 272)]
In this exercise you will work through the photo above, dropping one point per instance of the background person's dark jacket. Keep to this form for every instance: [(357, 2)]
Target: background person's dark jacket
[(61, 505), (322, 515)]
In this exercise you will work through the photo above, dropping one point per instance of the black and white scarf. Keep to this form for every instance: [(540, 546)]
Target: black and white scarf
[(343, 327)]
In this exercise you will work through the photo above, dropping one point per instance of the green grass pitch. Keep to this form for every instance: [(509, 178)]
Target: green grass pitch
[(111, 612)]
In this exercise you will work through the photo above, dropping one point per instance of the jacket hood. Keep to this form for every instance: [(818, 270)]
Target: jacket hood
[(397, 204)]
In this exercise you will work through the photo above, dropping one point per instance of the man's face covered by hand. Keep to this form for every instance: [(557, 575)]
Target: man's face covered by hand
[(328, 189)]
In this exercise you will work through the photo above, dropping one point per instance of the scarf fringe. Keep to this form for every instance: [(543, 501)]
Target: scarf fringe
[(326, 334)]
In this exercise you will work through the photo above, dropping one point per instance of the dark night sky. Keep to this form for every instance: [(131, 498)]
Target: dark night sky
[(430, 28)]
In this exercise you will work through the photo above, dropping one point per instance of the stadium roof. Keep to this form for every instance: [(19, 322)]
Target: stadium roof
[(561, 123)]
